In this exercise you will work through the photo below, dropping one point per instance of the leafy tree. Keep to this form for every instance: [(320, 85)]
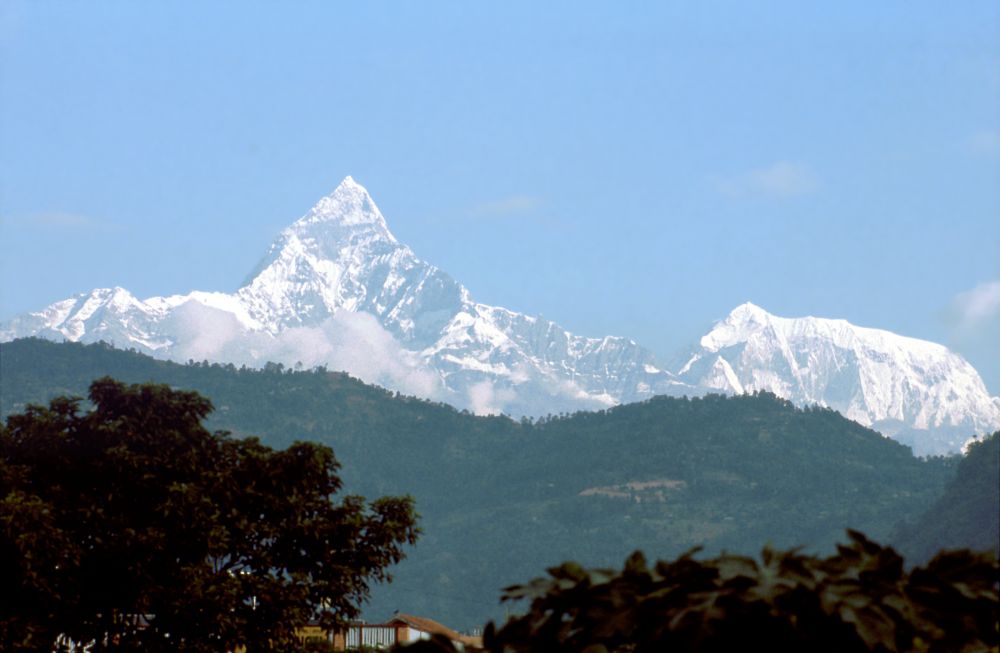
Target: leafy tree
[(132, 527), (861, 599)]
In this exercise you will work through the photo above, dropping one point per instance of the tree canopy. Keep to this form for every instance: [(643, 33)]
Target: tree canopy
[(860, 599), (132, 527)]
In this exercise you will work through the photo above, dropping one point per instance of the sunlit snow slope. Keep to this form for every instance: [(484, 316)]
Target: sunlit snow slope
[(914, 390)]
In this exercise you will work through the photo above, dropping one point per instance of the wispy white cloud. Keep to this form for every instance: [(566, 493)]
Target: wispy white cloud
[(55, 220), (509, 206), (485, 398), (63, 219), (986, 141), (355, 343), (973, 307), (781, 179), (973, 321)]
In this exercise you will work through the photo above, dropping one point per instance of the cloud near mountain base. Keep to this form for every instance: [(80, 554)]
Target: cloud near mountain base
[(485, 398), (355, 343)]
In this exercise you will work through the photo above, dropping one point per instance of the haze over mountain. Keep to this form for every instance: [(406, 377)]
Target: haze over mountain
[(336, 288)]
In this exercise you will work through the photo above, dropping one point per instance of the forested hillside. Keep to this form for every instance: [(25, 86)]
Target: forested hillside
[(967, 515), (500, 500)]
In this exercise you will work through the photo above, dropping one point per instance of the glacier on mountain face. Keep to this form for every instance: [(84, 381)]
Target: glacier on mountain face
[(336, 288)]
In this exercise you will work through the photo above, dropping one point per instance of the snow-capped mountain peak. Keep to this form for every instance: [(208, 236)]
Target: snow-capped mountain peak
[(345, 220), (339, 255), (349, 205), (897, 384), (743, 319), (747, 312)]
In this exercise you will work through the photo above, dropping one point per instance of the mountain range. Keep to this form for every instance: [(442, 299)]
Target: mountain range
[(337, 289)]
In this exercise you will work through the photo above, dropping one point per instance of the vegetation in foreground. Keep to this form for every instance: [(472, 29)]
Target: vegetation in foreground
[(133, 528), (860, 599)]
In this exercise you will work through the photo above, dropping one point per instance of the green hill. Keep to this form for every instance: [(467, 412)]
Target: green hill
[(967, 515), (500, 499)]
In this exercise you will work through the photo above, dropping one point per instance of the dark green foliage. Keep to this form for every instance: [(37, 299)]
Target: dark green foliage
[(133, 527), (501, 499), (859, 600), (968, 515)]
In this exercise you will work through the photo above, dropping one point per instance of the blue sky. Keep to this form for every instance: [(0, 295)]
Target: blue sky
[(629, 168)]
